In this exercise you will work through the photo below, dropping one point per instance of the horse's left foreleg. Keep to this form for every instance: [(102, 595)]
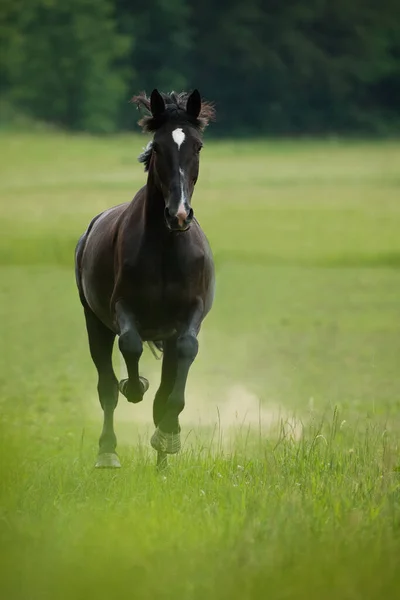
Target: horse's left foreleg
[(167, 435), (131, 347), (168, 375)]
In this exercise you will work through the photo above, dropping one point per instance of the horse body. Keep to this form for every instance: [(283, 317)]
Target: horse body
[(145, 272), (158, 274)]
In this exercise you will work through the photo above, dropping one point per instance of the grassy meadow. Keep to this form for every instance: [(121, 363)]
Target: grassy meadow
[(288, 484)]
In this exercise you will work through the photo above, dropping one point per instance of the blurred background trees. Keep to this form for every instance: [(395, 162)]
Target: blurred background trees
[(272, 67)]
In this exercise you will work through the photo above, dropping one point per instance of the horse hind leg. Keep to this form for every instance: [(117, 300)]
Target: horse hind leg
[(101, 341)]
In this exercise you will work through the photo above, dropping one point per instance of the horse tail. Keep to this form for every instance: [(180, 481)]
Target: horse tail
[(154, 346)]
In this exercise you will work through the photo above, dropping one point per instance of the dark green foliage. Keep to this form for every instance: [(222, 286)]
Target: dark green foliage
[(61, 61), (272, 67)]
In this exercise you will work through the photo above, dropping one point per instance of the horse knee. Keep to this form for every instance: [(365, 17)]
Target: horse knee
[(130, 344), (187, 347)]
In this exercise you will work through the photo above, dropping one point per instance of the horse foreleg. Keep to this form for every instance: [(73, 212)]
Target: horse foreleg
[(168, 375), (166, 438), (101, 341), (131, 347)]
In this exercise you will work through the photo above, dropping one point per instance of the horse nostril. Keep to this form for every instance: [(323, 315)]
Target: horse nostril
[(180, 220)]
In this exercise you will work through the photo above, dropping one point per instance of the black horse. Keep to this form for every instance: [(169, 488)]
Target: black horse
[(145, 272)]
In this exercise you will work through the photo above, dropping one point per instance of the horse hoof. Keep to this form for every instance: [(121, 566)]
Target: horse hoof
[(145, 383), (168, 443), (123, 388), (107, 460)]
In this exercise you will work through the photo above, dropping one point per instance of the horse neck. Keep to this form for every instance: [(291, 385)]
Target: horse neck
[(154, 204)]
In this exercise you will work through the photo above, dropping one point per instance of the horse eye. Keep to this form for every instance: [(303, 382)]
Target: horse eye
[(198, 149)]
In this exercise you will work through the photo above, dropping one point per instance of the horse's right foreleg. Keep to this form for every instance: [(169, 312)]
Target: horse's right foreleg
[(101, 341), (131, 347)]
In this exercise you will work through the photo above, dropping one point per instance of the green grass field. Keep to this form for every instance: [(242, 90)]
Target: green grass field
[(288, 485)]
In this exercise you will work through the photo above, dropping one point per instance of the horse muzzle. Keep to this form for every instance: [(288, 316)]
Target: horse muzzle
[(181, 220)]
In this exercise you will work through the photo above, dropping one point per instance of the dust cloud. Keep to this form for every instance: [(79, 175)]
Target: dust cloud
[(229, 409)]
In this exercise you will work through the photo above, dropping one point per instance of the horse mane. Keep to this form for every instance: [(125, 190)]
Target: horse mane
[(145, 156), (175, 110)]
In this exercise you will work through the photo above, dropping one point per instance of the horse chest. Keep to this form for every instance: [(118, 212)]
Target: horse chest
[(160, 291), (165, 286)]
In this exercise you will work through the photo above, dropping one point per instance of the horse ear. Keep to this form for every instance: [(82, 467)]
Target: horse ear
[(193, 106), (157, 104)]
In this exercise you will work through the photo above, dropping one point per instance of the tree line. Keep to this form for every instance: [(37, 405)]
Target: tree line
[(273, 67)]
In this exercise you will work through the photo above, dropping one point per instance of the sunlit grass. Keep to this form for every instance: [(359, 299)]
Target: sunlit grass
[(316, 515), (278, 202), (287, 486)]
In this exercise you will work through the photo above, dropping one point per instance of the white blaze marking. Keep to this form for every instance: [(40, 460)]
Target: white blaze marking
[(182, 202), (178, 137)]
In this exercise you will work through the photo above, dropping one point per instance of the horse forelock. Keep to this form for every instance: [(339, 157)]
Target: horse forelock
[(175, 111)]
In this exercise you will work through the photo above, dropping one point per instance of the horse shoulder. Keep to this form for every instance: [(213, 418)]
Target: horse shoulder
[(200, 249)]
